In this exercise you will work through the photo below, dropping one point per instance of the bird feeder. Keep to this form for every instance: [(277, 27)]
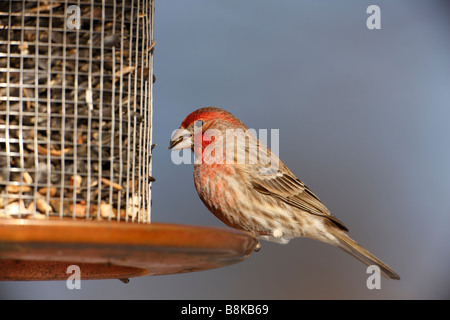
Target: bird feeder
[(76, 111)]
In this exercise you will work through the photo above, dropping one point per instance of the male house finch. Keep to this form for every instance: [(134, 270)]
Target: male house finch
[(247, 187)]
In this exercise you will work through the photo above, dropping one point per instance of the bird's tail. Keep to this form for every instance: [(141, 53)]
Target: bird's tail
[(349, 245)]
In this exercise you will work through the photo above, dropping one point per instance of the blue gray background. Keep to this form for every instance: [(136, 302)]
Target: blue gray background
[(364, 119)]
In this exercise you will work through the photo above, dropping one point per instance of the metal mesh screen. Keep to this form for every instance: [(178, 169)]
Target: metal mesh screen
[(76, 109)]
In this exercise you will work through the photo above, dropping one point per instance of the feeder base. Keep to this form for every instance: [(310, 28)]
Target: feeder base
[(44, 249)]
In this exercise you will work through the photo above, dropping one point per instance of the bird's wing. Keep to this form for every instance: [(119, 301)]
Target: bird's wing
[(282, 184), (268, 175)]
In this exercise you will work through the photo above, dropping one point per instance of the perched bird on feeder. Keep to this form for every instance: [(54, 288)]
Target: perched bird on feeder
[(248, 187)]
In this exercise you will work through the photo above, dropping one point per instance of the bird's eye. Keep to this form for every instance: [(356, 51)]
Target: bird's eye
[(199, 123)]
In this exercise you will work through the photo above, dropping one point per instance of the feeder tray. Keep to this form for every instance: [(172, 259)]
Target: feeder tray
[(44, 249)]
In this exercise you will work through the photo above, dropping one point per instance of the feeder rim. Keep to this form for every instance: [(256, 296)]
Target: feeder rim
[(42, 249)]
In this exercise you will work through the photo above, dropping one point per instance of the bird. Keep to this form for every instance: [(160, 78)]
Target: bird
[(244, 184)]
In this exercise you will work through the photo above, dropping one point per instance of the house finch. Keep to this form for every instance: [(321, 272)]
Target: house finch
[(246, 186)]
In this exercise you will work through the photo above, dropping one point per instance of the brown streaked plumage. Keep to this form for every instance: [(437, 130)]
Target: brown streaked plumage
[(260, 194)]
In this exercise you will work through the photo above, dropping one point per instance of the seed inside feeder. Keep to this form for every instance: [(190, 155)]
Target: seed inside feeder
[(75, 110)]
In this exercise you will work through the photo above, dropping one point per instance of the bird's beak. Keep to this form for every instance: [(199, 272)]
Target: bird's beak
[(181, 139)]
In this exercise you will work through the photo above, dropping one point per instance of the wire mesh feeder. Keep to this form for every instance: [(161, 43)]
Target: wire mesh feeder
[(76, 109), (76, 147)]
